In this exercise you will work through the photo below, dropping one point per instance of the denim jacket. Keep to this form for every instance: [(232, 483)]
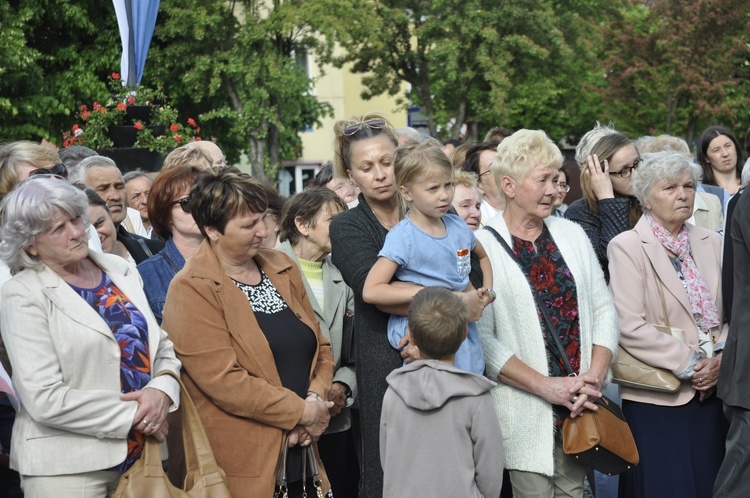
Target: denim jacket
[(157, 272)]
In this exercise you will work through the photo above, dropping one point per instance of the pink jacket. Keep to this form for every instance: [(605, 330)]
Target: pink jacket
[(634, 256)]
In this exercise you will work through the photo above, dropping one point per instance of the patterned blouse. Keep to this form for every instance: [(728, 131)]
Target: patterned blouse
[(131, 332), (554, 283)]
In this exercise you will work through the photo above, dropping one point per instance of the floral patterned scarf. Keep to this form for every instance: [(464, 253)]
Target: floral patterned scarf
[(702, 304)]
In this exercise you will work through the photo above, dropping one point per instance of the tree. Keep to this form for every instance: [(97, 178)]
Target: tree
[(475, 61), (55, 57), (675, 66), (234, 64)]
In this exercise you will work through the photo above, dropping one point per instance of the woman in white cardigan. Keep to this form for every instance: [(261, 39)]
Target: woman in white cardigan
[(535, 393)]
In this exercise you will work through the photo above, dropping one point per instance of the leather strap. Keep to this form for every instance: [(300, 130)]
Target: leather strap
[(539, 303)]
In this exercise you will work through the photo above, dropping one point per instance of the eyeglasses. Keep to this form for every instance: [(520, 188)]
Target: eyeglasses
[(563, 186), (485, 173), (184, 204), (626, 172), (57, 169), (376, 124)]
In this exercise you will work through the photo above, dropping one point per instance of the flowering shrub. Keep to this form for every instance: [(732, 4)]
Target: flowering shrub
[(160, 133)]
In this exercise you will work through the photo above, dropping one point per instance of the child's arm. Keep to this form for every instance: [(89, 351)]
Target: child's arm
[(484, 263), (378, 289)]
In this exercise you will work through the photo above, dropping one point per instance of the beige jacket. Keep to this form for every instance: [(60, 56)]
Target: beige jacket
[(634, 256)]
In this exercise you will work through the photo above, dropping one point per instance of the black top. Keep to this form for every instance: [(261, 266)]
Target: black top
[(141, 248), (612, 220), (292, 344), (727, 268)]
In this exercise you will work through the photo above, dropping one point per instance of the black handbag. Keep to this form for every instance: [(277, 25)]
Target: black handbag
[(600, 439), (348, 346)]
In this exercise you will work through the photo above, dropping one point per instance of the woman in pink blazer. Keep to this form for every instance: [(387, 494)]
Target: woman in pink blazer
[(679, 435)]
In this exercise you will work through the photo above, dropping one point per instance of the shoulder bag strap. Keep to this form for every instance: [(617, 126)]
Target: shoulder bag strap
[(539, 303)]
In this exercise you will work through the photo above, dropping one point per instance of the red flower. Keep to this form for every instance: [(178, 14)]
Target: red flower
[(115, 76), (131, 100), (85, 115), (174, 128), (138, 125), (544, 273), (121, 106), (198, 129), (66, 143), (75, 127), (97, 106), (191, 122), (178, 139), (197, 139), (83, 108), (102, 110)]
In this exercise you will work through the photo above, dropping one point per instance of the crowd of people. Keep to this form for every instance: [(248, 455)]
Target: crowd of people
[(413, 314)]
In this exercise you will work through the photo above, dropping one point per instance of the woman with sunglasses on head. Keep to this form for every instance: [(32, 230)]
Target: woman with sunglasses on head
[(364, 153), (608, 208)]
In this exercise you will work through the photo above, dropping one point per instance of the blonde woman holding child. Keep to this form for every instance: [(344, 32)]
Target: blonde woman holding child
[(429, 247)]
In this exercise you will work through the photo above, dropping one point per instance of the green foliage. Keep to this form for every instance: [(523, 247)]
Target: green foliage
[(56, 55)]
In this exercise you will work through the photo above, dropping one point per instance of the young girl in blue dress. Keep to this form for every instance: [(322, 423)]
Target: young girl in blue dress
[(429, 247)]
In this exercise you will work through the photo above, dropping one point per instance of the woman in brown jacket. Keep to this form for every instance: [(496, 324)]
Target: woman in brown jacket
[(254, 360)]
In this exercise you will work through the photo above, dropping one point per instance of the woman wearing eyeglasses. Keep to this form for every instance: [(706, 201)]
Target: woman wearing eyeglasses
[(364, 154), (608, 207), (171, 219), (562, 190)]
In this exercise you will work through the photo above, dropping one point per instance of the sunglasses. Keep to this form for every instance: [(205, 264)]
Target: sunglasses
[(375, 124), (57, 170), (184, 204)]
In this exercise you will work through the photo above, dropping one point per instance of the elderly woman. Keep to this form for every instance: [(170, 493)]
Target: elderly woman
[(535, 393), (254, 359), (101, 221), (169, 212), (466, 198), (720, 155), (84, 348), (608, 207), (678, 434), (304, 232)]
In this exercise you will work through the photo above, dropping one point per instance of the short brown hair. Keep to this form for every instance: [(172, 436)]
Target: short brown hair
[(188, 154), (165, 189), (306, 205), (437, 322), (220, 194)]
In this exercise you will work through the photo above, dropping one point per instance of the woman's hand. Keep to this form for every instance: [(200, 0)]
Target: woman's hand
[(472, 298), (706, 375), (151, 416), (601, 184), (337, 395), (299, 436), (571, 392), (316, 416)]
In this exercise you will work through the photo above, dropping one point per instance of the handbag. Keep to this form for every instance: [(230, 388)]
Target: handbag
[(600, 439), (629, 371), (348, 345), (281, 490), (204, 478)]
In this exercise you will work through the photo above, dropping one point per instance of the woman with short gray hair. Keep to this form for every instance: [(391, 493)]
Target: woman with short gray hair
[(678, 266), (84, 347)]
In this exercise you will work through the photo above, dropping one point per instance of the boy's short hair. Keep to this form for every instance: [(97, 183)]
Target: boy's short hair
[(437, 322)]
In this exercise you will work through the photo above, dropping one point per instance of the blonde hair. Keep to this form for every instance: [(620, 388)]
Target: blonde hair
[(663, 143), (522, 151), (588, 140), (343, 143), (411, 161), (13, 153), (458, 155), (465, 178), (188, 155)]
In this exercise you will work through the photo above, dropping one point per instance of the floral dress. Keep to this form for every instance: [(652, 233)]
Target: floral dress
[(542, 261), (130, 329)]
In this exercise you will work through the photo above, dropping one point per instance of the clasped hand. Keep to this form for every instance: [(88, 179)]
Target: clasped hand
[(575, 393), (151, 416)]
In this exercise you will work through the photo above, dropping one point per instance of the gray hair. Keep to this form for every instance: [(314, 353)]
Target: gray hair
[(745, 176), (587, 142), (72, 155), (669, 165), (28, 211), (132, 175), (77, 174)]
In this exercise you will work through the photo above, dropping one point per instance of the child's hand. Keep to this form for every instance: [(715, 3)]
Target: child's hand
[(473, 300), (488, 296), (409, 352)]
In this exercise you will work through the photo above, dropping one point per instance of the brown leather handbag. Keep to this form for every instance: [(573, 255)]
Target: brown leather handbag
[(204, 478)]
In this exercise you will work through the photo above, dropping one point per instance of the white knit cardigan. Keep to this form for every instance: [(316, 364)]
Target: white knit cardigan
[(510, 327)]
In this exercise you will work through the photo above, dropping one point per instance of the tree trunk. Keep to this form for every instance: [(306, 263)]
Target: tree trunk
[(274, 150), (257, 156), (460, 119)]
